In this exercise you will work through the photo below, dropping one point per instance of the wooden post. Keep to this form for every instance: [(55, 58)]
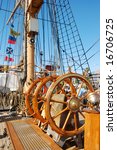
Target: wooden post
[(92, 132), (30, 60), (32, 8), (30, 57)]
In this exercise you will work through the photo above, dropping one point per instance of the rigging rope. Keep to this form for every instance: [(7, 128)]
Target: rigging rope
[(90, 47), (1, 4), (69, 38), (5, 42), (43, 27)]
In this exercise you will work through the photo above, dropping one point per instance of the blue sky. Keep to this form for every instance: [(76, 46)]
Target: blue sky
[(87, 17), (5, 32)]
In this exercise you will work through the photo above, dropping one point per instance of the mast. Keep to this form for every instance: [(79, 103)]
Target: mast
[(31, 10)]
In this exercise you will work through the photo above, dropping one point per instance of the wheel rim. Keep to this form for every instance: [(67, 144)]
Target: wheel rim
[(70, 106), (29, 97), (39, 98)]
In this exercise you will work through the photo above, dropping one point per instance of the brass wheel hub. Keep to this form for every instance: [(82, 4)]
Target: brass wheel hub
[(74, 104)]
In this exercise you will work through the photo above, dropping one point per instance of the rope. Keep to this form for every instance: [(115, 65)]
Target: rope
[(43, 27)]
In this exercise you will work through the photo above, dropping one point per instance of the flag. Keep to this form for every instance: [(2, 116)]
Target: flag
[(9, 50), (12, 39), (14, 33), (12, 25), (8, 59), (11, 59)]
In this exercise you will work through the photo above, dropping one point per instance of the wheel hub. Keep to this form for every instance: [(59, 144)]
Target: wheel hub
[(74, 104)]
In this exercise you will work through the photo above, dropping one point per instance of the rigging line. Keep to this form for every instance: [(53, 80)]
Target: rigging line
[(50, 61), (69, 56), (58, 43), (20, 48), (37, 18), (53, 4), (6, 10), (16, 45), (43, 28), (68, 14), (63, 40), (3, 29), (40, 49), (55, 34), (36, 52), (48, 33), (19, 28), (3, 42), (52, 26), (7, 76), (80, 40), (90, 57), (1, 4), (48, 29), (14, 55), (68, 35), (91, 47), (14, 10)]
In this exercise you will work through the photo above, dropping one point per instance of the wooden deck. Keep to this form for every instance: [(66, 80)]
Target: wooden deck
[(27, 136)]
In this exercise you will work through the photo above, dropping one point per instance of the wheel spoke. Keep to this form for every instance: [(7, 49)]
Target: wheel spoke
[(86, 105), (60, 113), (45, 89), (62, 88), (79, 89), (81, 98), (65, 123), (30, 95), (45, 123), (39, 97), (82, 114), (67, 96), (72, 87), (58, 91), (32, 114), (75, 121), (57, 101), (42, 107), (58, 98), (40, 101)]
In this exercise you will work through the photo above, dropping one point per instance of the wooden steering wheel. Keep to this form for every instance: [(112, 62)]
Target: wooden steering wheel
[(64, 101), (29, 97), (39, 97)]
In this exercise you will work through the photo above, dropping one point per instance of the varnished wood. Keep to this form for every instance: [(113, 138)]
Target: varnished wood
[(92, 132)]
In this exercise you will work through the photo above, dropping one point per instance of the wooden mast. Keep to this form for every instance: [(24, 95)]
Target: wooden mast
[(32, 8)]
